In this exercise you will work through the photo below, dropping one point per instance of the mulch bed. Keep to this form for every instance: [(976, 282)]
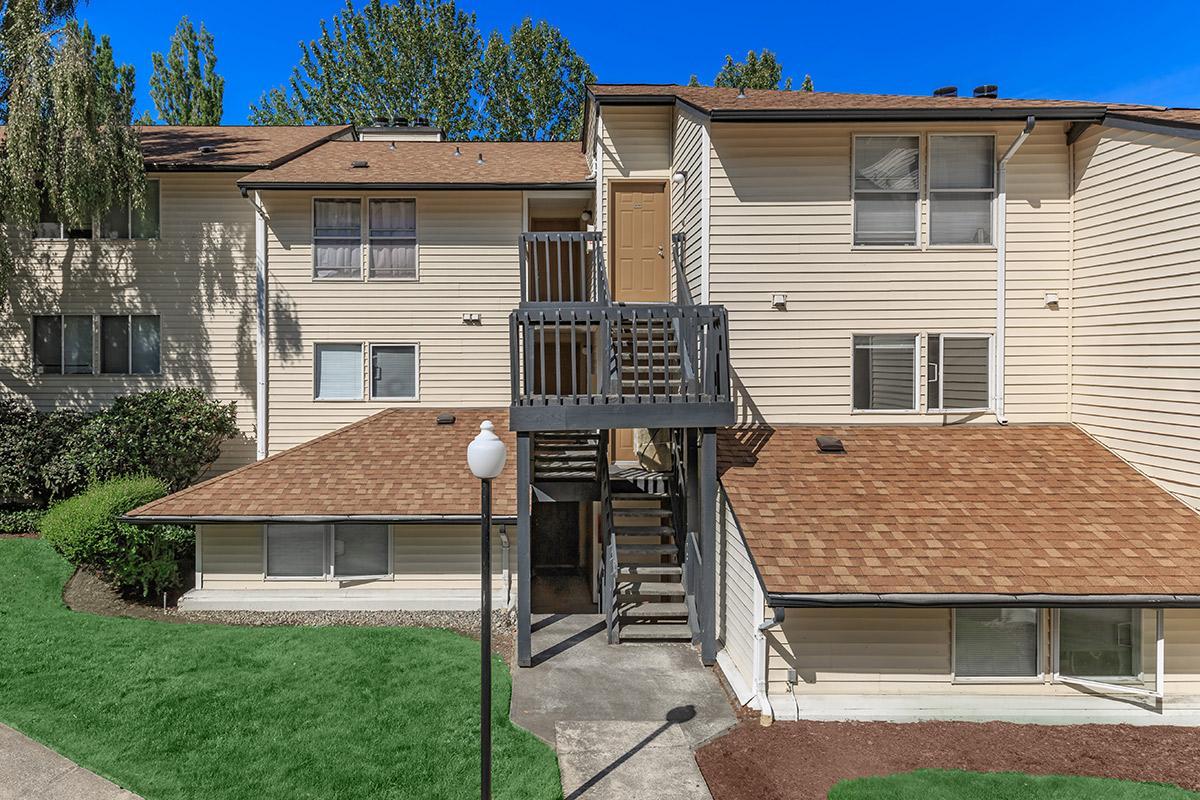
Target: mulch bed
[(803, 760)]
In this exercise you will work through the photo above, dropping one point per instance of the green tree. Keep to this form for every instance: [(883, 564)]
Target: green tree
[(758, 71), (68, 108), (185, 86), (532, 85), (412, 58)]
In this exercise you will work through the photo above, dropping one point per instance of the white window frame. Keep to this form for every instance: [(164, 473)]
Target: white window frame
[(929, 191), (328, 560), (1040, 677), (361, 350), (916, 407), (362, 239), (991, 372), (62, 344), (918, 242), (416, 240), (1119, 684), (129, 373), (416, 367)]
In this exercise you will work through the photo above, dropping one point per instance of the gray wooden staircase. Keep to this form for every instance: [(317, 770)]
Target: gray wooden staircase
[(566, 456)]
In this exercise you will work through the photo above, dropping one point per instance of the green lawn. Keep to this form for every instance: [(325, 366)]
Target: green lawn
[(215, 712), (937, 784)]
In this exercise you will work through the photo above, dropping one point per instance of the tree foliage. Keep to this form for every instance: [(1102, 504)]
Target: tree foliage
[(758, 71), (532, 85), (185, 86), (413, 58)]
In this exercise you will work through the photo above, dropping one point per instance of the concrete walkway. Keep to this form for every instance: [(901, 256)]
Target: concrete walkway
[(625, 718), (30, 771)]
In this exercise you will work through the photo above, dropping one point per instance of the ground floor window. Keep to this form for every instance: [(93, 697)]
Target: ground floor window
[(885, 373), (959, 372), (1099, 642), (296, 551), (997, 643), (344, 550), (361, 550)]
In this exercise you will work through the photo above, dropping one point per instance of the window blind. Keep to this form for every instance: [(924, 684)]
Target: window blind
[(296, 551), (360, 550), (337, 238), (884, 373), (962, 173), (393, 239), (393, 372), (886, 189), (339, 372), (996, 643)]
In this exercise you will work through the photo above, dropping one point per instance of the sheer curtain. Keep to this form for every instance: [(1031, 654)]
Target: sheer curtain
[(337, 238), (393, 239)]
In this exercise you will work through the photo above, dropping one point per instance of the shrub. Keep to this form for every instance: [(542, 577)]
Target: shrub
[(86, 531), (172, 434), (29, 440), (20, 520)]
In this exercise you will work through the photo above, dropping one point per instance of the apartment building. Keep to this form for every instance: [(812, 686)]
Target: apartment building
[(886, 403)]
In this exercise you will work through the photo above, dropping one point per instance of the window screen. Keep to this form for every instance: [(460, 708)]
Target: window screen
[(393, 239), (394, 372), (296, 551), (145, 347), (962, 172), (338, 372), (114, 344), (959, 372), (77, 345), (883, 373), (337, 238), (47, 345), (360, 550), (1098, 642), (886, 189), (996, 643)]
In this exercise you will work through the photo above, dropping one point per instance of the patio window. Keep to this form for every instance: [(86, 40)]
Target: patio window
[(959, 372), (338, 371), (392, 236), (997, 643), (962, 181), (884, 368), (62, 344), (361, 551), (129, 344), (886, 190), (337, 239), (1099, 642), (296, 551), (394, 372)]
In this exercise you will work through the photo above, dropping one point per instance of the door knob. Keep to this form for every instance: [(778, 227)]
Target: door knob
[(660, 251)]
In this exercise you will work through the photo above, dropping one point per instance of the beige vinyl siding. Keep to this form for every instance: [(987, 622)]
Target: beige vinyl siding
[(467, 263), (1136, 326), (635, 142), (198, 276), (736, 577), (230, 553), (782, 223), (687, 213)]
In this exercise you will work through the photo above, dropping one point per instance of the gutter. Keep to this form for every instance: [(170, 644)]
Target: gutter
[(980, 600), (217, 519), (384, 185), (1001, 266)]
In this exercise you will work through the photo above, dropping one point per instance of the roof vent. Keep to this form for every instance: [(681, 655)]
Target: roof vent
[(457, 152), (207, 149), (741, 93), (359, 164), (987, 90), (480, 160), (830, 444), (946, 91), (445, 419)]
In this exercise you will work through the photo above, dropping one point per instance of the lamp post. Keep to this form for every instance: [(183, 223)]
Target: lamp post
[(485, 457)]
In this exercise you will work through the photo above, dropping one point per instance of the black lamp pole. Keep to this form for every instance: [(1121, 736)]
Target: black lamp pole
[(485, 647)]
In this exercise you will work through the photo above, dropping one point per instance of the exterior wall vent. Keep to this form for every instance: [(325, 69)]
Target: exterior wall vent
[(359, 164), (988, 90), (445, 419), (207, 149), (830, 444), (946, 91)]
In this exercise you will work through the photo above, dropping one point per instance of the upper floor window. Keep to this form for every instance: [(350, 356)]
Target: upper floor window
[(129, 344), (337, 239), (959, 372), (122, 222), (886, 190), (962, 180), (64, 344), (393, 239), (885, 372)]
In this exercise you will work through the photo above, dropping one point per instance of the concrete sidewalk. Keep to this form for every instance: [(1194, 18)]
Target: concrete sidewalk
[(623, 718), (30, 771)]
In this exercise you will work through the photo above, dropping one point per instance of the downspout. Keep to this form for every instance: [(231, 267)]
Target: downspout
[(760, 657), (1001, 265), (261, 347), (507, 579)]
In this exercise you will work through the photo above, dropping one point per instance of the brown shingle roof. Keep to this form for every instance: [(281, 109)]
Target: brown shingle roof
[(1187, 117), (245, 147), (397, 463), (710, 99), (958, 510), (431, 164)]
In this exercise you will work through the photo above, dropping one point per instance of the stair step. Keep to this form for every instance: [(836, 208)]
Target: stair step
[(566, 475), (643, 530), (654, 611), (648, 511), (635, 592), (672, 631), (640, 496), (565, 444), (566, 437), (624, 550), (636, 572)]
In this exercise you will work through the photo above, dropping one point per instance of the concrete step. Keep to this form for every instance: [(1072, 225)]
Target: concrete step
[(663, 631), (666, 610), (648, 511), (643, 530), (637, 572), (627, 550)]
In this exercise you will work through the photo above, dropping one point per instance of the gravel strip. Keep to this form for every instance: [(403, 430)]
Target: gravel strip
[(465, 622)]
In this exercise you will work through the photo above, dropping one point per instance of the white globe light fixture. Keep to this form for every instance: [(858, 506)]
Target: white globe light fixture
[(485, 456)]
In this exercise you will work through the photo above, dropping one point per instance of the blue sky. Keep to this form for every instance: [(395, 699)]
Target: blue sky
[(1131, 52)]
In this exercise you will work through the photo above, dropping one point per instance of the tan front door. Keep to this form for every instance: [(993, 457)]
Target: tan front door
[(641, 262), (641, 253)]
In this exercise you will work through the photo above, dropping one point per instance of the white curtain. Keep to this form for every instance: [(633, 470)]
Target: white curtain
[(393, 238), (337, 238)]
